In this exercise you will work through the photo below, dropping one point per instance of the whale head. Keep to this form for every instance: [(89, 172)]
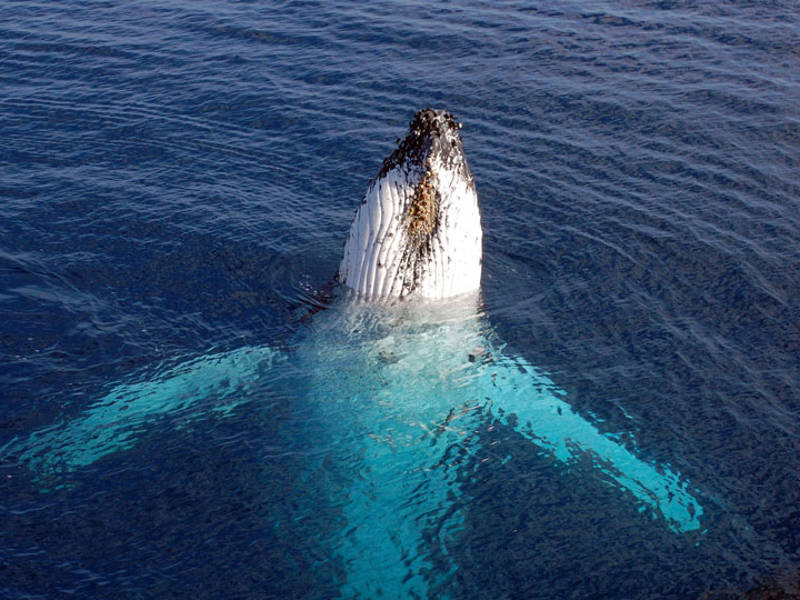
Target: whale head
[(418, 230)]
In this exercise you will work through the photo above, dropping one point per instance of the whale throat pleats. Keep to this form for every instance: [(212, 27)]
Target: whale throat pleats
[(417, 230)]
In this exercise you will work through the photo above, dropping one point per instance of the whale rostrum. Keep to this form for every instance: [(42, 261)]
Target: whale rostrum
[(418, 230)]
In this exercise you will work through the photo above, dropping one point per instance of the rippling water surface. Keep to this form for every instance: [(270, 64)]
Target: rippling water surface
[(177, 180)]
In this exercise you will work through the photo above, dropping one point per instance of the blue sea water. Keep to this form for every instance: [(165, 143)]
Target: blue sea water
[(178, 178)]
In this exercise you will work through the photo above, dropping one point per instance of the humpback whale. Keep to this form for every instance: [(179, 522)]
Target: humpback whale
[(402, 368)]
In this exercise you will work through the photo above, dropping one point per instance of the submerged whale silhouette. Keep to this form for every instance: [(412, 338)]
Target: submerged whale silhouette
[(402, 369)]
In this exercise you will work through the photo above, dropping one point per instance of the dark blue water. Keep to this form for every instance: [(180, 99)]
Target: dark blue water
[(178, 178)]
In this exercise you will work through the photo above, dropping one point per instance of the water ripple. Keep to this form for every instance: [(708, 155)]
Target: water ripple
[(177, 178)]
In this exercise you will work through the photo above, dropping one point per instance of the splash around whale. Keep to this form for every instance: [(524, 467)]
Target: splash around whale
[(404, 370)]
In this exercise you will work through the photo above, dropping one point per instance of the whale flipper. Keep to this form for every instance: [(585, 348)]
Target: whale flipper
[(526, 399), (211, 383)]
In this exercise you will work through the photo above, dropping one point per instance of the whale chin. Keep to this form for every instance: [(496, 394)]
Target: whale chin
[(418, 230)]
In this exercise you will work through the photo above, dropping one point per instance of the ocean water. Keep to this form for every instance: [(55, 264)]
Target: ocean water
[(177, 180)]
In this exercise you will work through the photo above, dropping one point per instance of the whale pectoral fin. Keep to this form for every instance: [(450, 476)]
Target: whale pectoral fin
[(528, 401), (210, 384)]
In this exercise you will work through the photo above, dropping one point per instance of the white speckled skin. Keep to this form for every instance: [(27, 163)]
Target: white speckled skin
[(383, 259)]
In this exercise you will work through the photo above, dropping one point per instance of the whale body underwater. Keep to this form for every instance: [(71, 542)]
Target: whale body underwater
[(402, 368)]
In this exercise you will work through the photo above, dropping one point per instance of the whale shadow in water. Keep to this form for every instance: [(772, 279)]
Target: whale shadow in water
[(402, 384)]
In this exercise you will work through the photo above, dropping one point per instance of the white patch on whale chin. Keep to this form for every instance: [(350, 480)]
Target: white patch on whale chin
[(375, 261)]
